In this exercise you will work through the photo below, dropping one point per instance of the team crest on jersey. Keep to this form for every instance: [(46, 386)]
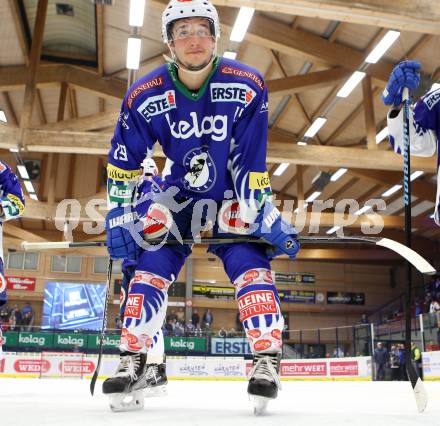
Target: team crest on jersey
[(202, 172), (232, 92), (156, 105)]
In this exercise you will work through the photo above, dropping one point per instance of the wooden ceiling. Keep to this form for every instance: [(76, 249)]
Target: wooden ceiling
[(61, 95)]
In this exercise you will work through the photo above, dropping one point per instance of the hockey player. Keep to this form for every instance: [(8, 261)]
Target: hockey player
[(11, 207), (156, 379), (209, 114), (424, 118)]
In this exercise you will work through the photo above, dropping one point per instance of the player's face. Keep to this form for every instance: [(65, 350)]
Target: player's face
[(193, 43)]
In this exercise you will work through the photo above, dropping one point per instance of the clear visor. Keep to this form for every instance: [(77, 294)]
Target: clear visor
[(187, 30)]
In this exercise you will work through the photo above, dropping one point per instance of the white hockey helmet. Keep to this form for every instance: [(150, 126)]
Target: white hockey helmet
[(180, 9), (149, 167)]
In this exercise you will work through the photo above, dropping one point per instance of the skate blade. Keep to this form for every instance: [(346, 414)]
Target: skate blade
[(156, 391), (132, 401), (259, 404)]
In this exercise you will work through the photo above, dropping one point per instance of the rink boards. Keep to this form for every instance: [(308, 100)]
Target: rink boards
[(53, 364)]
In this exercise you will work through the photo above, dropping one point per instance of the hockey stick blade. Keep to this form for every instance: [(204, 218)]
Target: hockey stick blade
[(420, 394), (406, 253)]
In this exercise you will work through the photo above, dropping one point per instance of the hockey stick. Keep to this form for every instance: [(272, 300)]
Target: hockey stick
[(103, 326), (416, 382), (406, 253)]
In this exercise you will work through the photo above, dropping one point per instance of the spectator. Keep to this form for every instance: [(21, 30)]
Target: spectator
[(416, 356), (195, 319), (178, 329), (27, 316), (118, 323), (16, 318), (402, 375), (222, 333), (181, 316), (312, 353), (395, 363), (5, 318), (208, 319), (338, 353), (190, 329), (434, 307), (172, 315), (238, 323), (169, 326), (381, 359)]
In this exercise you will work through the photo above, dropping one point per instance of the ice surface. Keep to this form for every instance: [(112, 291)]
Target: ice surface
[(67, 402)]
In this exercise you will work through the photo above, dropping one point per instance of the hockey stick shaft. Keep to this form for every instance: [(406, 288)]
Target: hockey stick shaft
[(418, 261), (416, 382), (103, 326)]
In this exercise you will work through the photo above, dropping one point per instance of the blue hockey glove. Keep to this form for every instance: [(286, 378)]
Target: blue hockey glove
[(272, 228), (122, 226), (406, 74)]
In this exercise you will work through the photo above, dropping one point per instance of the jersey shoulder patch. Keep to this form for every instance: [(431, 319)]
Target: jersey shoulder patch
[(156, 79), (240, 72), (431, 99)]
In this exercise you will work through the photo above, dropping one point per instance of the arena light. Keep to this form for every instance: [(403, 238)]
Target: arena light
[(416, 174), (241, 24), (136, 17), (379, 50), (13, 150), (338, 174), (281, 169), (313, 196), (3, 116), (333, 230), (382, 135), (315, 127), (23, 171), (229, 55), (133, 52), (392, 190), (350, 84), (28, 185)]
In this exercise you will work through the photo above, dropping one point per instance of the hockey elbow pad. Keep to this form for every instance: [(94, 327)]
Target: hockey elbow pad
[(122, 227), (273, 229)]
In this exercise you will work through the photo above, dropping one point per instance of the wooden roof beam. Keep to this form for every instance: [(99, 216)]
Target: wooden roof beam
[(327, 156), (311, 81), (34, 62), (421, 16)]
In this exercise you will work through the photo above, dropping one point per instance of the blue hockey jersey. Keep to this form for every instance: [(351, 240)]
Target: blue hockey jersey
[(424, 133), (214, 139)]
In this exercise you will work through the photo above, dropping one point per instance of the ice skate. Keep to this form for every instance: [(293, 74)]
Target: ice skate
[(126, 387), (264, 381), (156, 380)]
